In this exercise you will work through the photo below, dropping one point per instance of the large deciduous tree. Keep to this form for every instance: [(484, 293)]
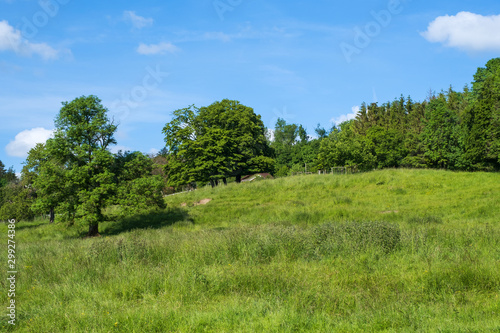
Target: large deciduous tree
[(225, 139), (75, 171)]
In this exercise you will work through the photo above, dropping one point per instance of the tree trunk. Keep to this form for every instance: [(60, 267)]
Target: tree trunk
[(224, 180), (93, 230), (51, 215), (238, 178), (212, 183)]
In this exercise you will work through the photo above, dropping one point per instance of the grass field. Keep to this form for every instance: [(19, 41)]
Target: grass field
[(391, 251)]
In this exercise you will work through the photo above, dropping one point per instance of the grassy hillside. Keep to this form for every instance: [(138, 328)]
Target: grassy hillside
[(392, 250)]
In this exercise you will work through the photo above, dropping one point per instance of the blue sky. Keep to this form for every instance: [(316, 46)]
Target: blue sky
[(306, 62)]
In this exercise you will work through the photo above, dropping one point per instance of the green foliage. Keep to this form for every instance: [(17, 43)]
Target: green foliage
[(50, 180), (11, 200), (441, 135), (344, 148), (284, 171), (293, 147), (453, 130), (72, 171), (16, 202), (6, 176), (130, 166), (225, 139), (482, 119), (141, 194), (386, 145)]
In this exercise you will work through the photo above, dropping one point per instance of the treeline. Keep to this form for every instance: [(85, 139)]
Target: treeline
[(450, 130), (75, 176)]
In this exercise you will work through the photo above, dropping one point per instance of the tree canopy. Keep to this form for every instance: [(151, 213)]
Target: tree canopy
[(208, 144)]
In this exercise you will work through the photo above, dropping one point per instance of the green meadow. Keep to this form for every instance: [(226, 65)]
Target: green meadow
[(383, 251)]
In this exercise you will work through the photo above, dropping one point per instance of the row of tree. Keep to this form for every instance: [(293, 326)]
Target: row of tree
[(451, 130), (76, 177)]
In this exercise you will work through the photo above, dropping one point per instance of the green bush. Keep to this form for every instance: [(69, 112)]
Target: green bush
[(141, 194)]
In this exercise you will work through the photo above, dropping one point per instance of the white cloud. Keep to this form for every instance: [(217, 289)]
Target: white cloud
[(26, 140), (137, 21), (160, 48), (466, 31), (11, 40), (346, 117)]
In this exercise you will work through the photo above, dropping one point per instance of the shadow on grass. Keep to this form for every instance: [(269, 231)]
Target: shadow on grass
[(30, 225), (149, 220)]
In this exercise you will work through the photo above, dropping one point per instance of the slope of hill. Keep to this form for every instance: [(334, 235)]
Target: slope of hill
[(392, 250)]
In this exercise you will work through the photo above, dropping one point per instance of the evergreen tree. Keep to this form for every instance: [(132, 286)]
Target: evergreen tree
[(482, 119), (441, 134)]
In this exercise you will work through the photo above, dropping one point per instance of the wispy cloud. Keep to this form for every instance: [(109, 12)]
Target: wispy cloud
[(137, 21), (26, 140), (466, 31), (160, 48), (12, 40), (244, 32), (346, 117)]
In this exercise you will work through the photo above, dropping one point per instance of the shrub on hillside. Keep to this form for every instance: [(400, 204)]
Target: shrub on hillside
[(141, 194)]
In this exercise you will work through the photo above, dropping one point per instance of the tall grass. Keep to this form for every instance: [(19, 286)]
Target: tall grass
[(394, 250)]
